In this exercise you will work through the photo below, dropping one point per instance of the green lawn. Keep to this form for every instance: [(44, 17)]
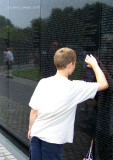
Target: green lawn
[(77, 74), (32, 74)]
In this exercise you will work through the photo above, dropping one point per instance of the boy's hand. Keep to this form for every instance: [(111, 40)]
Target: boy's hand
[(29, 133), (91, 61)]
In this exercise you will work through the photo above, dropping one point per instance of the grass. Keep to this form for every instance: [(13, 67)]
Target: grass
[(32, 74), (77, 74)]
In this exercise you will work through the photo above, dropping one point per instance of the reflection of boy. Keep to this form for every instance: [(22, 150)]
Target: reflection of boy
[(54, 46), (9, 62), (51, 69), (54, 104), (4, 62)]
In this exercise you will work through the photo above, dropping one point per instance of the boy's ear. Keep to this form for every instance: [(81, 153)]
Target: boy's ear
[(70, 64)]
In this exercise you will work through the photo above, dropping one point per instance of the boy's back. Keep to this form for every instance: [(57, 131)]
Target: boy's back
[(56, 99)]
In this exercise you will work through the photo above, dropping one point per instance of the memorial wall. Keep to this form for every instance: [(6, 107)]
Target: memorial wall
[(33, 31), (19, 33)]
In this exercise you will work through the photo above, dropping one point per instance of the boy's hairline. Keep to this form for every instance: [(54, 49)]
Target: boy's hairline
[(74, 60)]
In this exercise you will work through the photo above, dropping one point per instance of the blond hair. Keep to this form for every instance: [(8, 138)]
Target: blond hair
[(63, 57)]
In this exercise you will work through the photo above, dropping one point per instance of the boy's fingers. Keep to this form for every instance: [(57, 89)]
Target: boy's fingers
[(29, 133), (29, 137), (87, 58), (90, 60), (91, 55), (89, 66)]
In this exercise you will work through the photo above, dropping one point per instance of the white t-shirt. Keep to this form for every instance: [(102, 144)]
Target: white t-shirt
[(9, 55), (56, 100)]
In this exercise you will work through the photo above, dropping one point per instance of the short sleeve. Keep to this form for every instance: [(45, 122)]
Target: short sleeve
[(84, 90), (34, 99)]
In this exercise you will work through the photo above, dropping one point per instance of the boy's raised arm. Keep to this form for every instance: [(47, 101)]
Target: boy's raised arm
[(100, 77)]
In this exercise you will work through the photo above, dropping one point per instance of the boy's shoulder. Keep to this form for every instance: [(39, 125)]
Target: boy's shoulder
[(45, 80)]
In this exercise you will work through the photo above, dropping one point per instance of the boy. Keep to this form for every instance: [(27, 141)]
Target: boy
[(9, 62), (54, 104)]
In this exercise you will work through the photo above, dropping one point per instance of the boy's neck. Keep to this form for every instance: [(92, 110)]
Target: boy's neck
[(62, 73)]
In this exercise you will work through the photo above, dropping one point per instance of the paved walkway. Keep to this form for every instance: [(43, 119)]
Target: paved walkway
[(9, 151), (14, 110)]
